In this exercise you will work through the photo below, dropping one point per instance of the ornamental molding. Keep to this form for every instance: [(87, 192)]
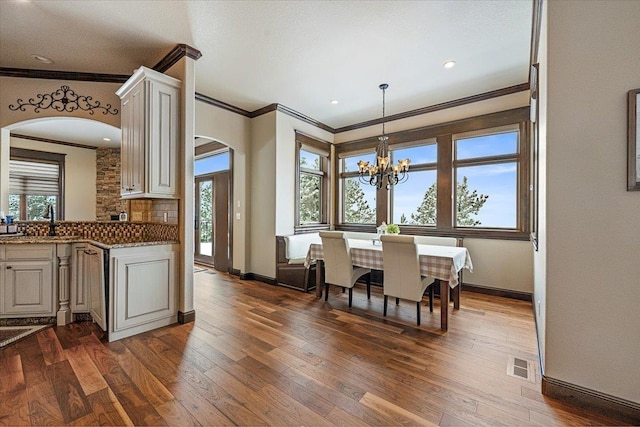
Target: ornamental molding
[(64, 99)]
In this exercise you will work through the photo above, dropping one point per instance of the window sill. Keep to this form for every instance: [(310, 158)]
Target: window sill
[(497, 234)]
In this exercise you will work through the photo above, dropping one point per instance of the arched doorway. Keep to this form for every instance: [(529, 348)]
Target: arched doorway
[(213, 204), (77, 141)]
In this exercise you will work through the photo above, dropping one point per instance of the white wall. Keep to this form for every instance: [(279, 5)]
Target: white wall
[(234, 131), (262, 221), (540, 256), (80, 177), (500, 264), (593, 223), (285, 164)]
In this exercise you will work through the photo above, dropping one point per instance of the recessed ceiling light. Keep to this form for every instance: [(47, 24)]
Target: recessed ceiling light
[(42, 59), (449, 64), (106, 139), (334, 101)]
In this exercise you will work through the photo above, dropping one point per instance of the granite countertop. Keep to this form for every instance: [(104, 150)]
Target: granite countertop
[(107, 242)]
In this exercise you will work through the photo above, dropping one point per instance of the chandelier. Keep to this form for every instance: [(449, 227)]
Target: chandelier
[(383, 173)]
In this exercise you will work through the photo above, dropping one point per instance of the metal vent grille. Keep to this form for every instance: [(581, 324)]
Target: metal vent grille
[(521, 368)]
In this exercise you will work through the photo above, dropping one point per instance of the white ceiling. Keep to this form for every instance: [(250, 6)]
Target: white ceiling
[(74, 130), (301, 54)]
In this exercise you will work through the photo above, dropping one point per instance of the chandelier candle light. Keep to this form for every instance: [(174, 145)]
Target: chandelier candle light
[(383, 173)]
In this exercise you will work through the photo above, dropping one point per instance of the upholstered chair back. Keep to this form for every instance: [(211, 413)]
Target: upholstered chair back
[(401, 267), (337, 260)]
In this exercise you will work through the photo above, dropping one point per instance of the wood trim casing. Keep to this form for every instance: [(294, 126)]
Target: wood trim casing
[(63, 75), (496, 292), (177, 53), (220, 104), (591, 399), (186, 317), (536, 24), (53, 141)]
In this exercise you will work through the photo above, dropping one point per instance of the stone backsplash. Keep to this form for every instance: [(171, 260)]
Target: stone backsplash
[(97, 229), (108, 200)]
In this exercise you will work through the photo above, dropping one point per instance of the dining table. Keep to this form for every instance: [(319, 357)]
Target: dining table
[(439, 262)]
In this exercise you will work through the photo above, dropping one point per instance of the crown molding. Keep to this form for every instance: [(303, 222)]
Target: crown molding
[(63, 75), (217, 103), (53, 141), (176, 54), (437, 107)]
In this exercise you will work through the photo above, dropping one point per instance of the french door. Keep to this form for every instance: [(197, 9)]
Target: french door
[(212, 220)]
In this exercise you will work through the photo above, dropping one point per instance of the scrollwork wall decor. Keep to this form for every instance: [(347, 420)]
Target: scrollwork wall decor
[(63, 99)]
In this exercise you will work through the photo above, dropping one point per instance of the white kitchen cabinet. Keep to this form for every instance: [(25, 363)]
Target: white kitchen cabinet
[(27, 281), (79, 284), (96, 284), (150, 133), (143, 289)]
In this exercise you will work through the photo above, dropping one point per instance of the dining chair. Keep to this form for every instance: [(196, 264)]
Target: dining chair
[(338, 268), (402, 278)]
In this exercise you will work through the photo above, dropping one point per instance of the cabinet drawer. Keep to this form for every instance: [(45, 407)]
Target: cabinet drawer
[(29, 252)]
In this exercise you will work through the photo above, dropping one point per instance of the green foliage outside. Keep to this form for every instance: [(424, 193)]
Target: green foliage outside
[(356, 207), (206, 211), (36, 207), (468, 203), (310, 204)]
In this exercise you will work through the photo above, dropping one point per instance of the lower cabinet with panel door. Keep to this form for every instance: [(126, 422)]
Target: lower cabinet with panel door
[(27, 281), (143, 292)]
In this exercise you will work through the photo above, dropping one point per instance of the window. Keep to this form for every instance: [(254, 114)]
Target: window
[(312, 185), (35, 182), (416, 203), (211, 163), (486, 176), (358, 199), (467, 178)]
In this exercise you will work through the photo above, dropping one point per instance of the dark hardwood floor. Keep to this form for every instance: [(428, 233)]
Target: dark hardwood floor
[(266, 355)]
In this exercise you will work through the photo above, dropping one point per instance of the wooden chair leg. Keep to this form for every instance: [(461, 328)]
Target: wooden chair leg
[(431, 298), (350, 296), (397, 301), (418, 313), (326, 291), (369, 286), (385, 306), (343, 289)]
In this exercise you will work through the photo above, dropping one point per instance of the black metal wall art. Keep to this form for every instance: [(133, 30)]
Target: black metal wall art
[(63, 99)]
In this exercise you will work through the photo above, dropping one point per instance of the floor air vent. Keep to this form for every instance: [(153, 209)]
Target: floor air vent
[(521, 368)]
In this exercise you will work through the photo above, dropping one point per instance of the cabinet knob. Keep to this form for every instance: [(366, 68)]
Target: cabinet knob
[(9, 267)]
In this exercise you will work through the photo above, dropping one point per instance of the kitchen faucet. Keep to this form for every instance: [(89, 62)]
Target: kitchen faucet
[(50, 216)]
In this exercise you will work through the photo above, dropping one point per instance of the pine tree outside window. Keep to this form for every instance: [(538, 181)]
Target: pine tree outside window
[(358, 200), (486, 176), (312, 185)]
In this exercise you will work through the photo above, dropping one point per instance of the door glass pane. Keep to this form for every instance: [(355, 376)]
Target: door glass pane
[(486, 196), (205, 217), (415, 202)]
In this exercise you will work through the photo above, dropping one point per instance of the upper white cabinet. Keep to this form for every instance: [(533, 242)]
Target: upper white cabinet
[(150, 132)]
